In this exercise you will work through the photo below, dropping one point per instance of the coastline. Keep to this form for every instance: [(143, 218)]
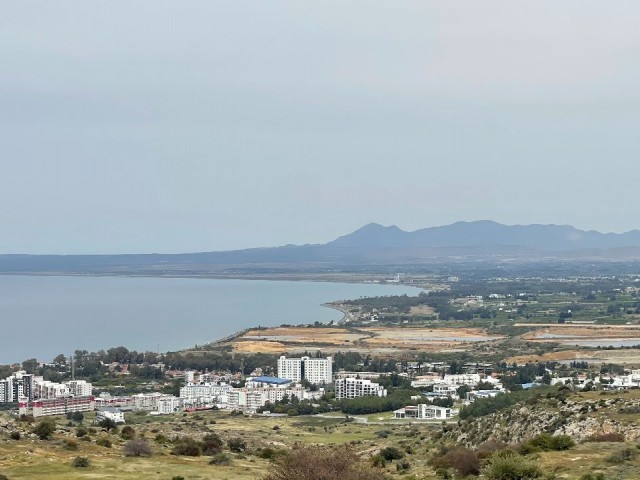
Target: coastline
[(201, 314)]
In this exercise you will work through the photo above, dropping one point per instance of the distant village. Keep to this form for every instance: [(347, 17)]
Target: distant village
[(305, 379)]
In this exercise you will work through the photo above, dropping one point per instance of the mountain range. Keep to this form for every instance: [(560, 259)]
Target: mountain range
[(372, 244)]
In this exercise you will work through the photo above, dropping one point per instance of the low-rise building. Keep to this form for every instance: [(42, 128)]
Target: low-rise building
[(110, 413), (63, 405), (423, 411)]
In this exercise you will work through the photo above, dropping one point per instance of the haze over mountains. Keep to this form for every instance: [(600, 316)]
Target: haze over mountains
[(372, 244)]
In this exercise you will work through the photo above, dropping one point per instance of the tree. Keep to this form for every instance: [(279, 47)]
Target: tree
[(60, 360), (108, 424), (322, 463), (44, 429), (137, 448)]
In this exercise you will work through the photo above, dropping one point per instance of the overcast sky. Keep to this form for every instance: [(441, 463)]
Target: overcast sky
[(166, 126)]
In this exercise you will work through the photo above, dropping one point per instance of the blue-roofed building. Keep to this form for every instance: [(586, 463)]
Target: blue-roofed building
[(264, 382)]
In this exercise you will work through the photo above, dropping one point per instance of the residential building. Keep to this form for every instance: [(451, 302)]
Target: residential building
[(423, 411), (17, 387), (168, 404), (111, 413), (358, 387), (63, 405), (314, 370)]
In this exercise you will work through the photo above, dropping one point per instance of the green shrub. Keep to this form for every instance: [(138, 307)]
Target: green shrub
[(104, 442), (237, 444), (44, 429), (269, 453), (508, 465), (137, 448), (14, 436), (622, 455), (81, 432), (391, 453), (593, 476), (128, 433), (80, 462), (70, 444), (187, 447), (3, 477), (403, 465), (220, 459), (546, 443)]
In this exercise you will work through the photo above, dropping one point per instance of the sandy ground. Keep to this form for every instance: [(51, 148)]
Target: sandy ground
[(625, 357), (379, 340)]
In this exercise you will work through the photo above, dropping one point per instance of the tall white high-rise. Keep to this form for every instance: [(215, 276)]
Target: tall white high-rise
[(314, 370)]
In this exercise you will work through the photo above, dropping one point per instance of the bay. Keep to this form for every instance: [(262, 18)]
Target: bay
[(43, 316)]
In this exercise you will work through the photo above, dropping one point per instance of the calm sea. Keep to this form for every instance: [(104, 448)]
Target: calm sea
[(41, 317)]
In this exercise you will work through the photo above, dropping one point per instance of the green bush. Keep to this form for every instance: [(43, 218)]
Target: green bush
[(391, 453), (14, 436), (81, 432), (622, 455), (80, 462), (546, 443), (128, 433), (137, 448), (508, 465), (403, 465), (187, 447), (269, 453), (593, 476), (104, 442), (44, 429), (237, 444), (220, 459), (70, 444), (3, 477)]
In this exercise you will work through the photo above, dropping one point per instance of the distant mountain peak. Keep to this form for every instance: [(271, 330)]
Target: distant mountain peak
[(486, 233)]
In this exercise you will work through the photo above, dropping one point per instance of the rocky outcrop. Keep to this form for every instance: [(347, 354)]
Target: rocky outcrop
[(579, 419)]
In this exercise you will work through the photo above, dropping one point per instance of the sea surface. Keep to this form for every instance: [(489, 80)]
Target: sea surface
[(42, 316)]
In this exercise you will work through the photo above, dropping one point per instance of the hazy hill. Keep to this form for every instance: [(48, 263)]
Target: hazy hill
[(372, 244), (487, 233)]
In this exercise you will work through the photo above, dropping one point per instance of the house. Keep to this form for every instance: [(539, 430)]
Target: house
[(423, 411), (110, 413)]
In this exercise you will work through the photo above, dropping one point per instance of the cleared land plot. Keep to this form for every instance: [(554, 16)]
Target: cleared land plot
[(379, 340)]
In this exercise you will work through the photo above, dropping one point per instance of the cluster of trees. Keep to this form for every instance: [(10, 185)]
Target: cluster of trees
[(392, 303), (366, 405), (293, 406)]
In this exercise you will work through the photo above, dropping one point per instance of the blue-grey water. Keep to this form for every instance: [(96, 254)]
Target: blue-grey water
[(41, 317)]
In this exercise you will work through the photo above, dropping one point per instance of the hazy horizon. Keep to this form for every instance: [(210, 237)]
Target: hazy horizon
[(204, 126)]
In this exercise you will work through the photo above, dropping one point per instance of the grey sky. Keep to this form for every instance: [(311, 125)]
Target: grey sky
[(165, 126)]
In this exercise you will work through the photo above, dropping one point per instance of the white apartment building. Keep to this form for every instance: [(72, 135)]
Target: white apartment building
[(110, 413), (462, 379), (16, 387), (63, 405), (314, 370), (211, 391), (168, 404), (358, 387), (44, 389), (79, 388)]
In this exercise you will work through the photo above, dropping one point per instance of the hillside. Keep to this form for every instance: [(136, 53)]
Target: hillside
[(370, 246)]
